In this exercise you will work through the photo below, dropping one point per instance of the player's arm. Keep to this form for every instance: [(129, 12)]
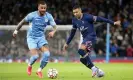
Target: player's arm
[(53, 24), (73, 31), (28, 18), (54, 28), (18, 27), (20, 24), (102, 19)]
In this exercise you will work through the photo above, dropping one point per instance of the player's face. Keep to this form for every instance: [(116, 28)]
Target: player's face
[(77, 13), (42, 8)]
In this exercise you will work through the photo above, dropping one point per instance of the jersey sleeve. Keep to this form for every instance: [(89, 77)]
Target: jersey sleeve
[(51, 20), (90, 18), (102, 19), (73, 25), (29, 17), (73, 31), (93, 18)]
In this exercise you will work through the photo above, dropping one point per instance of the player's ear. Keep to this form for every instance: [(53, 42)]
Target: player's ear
[(80, 10)]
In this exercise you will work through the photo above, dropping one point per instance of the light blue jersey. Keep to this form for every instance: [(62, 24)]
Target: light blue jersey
[(35, 34), (38, 23)]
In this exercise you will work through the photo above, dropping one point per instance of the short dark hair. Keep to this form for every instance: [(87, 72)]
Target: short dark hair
[(76, 6), (41, 2)]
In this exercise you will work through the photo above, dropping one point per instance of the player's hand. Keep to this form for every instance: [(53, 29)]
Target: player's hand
[(15, 33), (51, 34), (117, 23), (65, 47)]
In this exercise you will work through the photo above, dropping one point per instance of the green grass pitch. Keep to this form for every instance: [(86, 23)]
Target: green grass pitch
[(67, 71)]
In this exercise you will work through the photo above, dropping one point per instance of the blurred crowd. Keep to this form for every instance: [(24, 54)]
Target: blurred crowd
[(12, 11), (121, 41)]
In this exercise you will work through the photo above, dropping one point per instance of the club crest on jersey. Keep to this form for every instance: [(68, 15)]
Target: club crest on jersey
[(46, 20), (83, 22), (82, 28)]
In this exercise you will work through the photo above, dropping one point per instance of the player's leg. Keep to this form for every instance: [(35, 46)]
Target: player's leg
[(85, 59), (44, 60), (43, 45), (84, 51), (34, 54)]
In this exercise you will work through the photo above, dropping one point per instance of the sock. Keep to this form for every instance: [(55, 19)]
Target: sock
[(85, 59), (33, 59), (89, 62), (39, 69), (93, 68), (44, 59), (81, 52)]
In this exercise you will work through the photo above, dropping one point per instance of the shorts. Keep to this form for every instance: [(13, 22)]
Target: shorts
[(36, 42), (89, 42)]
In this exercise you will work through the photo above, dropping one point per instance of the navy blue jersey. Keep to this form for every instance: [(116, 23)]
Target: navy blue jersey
[(85, 25)]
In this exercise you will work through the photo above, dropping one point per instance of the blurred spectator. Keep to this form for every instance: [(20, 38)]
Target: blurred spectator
[(129, 51), (12, 11), (100, 53), (114, 50), (125, 24)]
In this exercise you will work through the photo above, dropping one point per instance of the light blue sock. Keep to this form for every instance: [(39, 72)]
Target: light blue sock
[(44, 59), (33, 59)]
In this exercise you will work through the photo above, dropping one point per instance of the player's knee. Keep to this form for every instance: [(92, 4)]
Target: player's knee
[(81, 52), (83, 46), (33, 52), (45, 48)]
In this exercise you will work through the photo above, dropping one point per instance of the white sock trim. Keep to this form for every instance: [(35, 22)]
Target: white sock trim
[(93, 68), (39, 70), (29, 64)]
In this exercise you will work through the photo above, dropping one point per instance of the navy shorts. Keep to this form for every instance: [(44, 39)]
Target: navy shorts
[(89, 42)]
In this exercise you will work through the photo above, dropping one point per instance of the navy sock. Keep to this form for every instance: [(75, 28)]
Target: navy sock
[(85, 59), (89, 62)]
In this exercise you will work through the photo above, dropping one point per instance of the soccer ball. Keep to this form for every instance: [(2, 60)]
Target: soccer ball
[(52, 73), (100, 73)]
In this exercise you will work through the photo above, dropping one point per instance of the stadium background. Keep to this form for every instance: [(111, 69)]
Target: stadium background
[(121, 41)]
